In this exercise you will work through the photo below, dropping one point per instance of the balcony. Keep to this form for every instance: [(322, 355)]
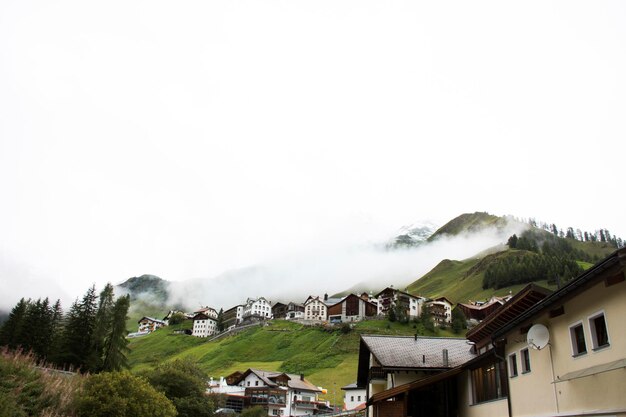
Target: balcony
[(377, 372)]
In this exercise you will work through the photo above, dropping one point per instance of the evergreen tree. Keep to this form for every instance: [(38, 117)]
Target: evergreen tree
[(102, 327), (116, 344), (512, 242), (13, 325), (426, 318), (459, 321), (220, 320), (77, 339)]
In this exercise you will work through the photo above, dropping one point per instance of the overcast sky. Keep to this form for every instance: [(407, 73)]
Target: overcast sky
[(184, 139)]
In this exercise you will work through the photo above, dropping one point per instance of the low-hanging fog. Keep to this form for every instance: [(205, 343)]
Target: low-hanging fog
[(331, 268)]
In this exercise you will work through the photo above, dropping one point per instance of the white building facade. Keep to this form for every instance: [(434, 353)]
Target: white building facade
[(315, 309), (260, 308), (203, 326), (354, 397)]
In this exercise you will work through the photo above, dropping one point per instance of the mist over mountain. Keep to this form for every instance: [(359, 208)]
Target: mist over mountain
[(335, 267)]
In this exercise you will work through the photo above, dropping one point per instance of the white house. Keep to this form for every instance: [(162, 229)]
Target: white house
[(150, 324), (315, 309), (279, 393), (203, 325), (209, 311), (391, 297), (441, 310), (257, 308), (354, 397)]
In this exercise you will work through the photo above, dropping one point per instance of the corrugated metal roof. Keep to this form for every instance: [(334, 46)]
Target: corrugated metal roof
[(420, 352)]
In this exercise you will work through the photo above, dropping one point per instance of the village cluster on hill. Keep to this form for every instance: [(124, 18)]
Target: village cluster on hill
[(207, 321)]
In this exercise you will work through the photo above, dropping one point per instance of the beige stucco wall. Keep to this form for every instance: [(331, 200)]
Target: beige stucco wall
[(534, 394)]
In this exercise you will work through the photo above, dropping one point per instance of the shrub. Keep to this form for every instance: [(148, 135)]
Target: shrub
[(120, 394)]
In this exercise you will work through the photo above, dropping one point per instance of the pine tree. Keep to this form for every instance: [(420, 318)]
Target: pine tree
[(78, 333), (220, 320), (102, 327), (13, 325), (116, 344)]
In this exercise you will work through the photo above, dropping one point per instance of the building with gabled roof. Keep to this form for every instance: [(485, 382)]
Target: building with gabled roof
[(150, 324), (281, 394), (315, 309), (391, 297), (203, 325), (350, 309)]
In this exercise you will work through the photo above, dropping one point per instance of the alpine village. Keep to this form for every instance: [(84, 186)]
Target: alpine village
[(531, 327)]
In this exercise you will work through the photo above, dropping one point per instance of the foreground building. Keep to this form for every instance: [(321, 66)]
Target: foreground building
[(542, 353), (354, 397), (279, 393), (315, 309)]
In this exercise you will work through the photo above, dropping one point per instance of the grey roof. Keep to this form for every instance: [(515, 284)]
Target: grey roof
[(351, 387), (294, 382), (420, 352)]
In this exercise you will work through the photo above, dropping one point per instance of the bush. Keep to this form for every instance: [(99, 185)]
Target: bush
[(177, 318), (120, 394), (254, 412)]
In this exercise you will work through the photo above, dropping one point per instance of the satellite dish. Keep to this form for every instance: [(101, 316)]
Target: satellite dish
[(538, 336)]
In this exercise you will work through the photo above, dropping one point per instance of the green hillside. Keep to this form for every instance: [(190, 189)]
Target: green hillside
[(327, 357), (460, 281)]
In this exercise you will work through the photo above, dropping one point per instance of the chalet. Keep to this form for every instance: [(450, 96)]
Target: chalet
[(315, 309), (150, 324), (203, 325), (351, 308), (257, 309), (542, 353), (441, 310), (281, 394), (209, 311), (354, 397), (279, 310), (391, 297), (295, 311), (170, 313), (233, 316)]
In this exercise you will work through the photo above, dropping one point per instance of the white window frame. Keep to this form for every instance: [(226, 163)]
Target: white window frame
[(572, 338), (592, 331)]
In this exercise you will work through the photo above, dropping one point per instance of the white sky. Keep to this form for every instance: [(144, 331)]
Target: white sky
[(184, 139)]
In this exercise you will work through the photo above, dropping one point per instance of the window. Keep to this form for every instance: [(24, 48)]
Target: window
[(599, 332), (577, 335), (525, 361), (489, 382), (352, 398), (256, 383), (513, 365), (359, 398)]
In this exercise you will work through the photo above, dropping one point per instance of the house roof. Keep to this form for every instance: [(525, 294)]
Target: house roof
[(201, 316), (267, 377), (151, 319), (611, 265), (521, 302), (346, 297), (398, 291), (352, 386), (418, 352)]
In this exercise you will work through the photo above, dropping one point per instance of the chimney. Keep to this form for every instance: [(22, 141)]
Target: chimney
[(326, 297), (423, 358), (301, 377), (445, 358)]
